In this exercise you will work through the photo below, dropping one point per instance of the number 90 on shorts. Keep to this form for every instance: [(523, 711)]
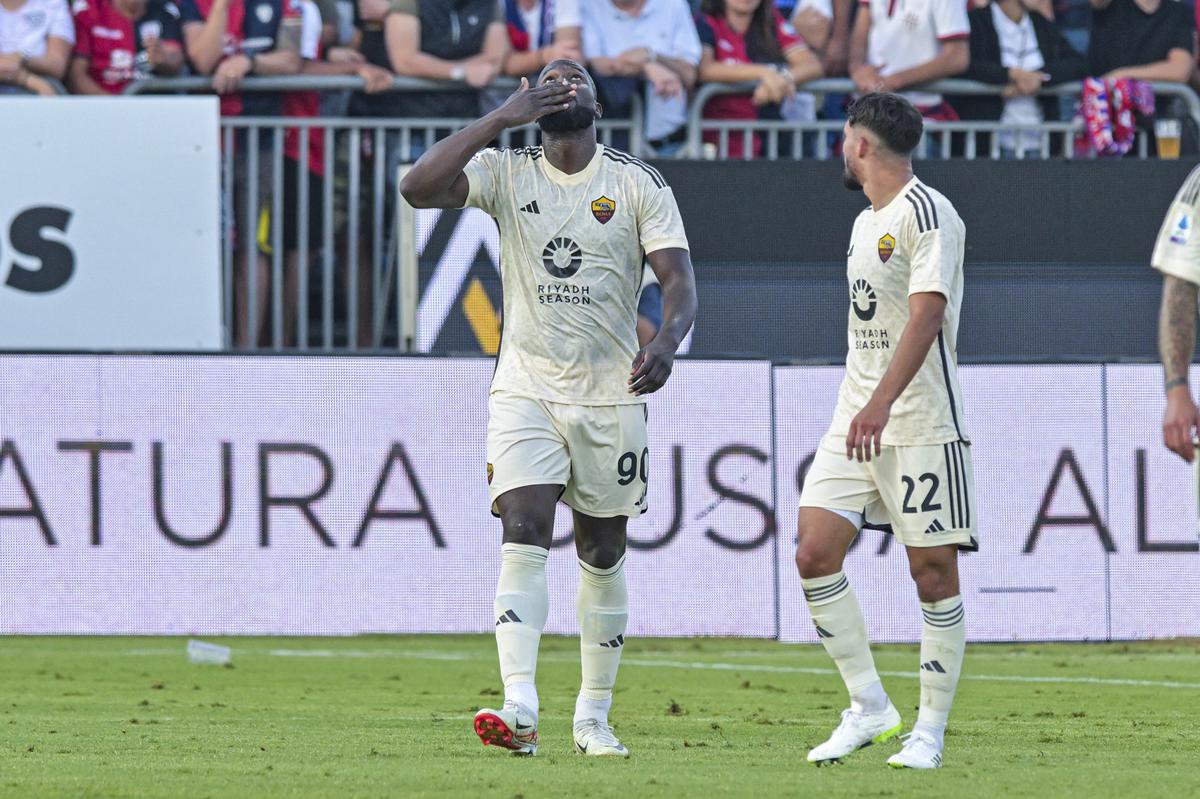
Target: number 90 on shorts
[(597, 453)]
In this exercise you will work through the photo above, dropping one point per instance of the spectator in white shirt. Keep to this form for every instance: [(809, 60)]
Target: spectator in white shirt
[(36, 39), (898, 44), (628, 41), (541, 31)]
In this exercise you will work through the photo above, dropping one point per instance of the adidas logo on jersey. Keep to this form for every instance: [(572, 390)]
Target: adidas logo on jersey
[(934, 666), (532, 208), (936, 527)]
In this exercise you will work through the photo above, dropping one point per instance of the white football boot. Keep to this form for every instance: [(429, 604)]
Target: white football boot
[(594, 737), (511, 727), (856, 731), (920, 751)]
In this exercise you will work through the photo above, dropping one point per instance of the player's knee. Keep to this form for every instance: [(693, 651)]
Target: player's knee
[(521, 527), (813, 560), (602, 554), (935, 580)]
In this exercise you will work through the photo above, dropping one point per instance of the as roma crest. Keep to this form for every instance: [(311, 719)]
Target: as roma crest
[(887, 246), (603, 209)]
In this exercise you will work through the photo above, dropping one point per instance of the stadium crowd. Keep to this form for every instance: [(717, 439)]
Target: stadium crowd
[(662, 49)]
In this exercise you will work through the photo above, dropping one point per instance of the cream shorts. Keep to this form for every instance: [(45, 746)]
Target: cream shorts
[(925, 494), (597, 453)]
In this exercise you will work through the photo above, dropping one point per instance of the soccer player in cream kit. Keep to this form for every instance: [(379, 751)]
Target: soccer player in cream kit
[(897, 450), (567, 413)]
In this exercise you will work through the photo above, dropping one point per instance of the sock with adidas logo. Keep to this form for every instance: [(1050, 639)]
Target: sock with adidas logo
[(522, 604), (943, 642), (843, 632), (603, 608)]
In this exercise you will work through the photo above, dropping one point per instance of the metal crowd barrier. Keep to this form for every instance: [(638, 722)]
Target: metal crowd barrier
[(350, 293), (796, 139)]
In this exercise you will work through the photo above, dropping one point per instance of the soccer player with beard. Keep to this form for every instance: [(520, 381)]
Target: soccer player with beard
[(567, 413), (897, 450)]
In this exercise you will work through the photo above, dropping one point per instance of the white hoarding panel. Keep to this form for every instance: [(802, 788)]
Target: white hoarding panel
[(109, 232)]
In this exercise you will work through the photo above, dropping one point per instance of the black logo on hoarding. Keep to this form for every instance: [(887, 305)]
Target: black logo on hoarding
[(56, 261), (562, 257), (862, 300)]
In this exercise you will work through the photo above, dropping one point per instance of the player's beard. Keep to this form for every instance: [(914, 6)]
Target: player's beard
[(569, 120), (848, 180)]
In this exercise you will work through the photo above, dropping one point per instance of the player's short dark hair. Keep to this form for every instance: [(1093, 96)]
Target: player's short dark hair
[(889, 116)]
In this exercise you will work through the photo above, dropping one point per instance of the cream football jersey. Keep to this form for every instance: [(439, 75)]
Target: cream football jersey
[(914, 244), (1177, 251), (571, 252)]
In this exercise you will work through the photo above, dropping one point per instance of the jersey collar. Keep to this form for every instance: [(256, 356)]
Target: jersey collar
[(563, 179)]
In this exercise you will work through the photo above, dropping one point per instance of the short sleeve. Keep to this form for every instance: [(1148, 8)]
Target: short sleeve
[(172, 31), (787, 35), (62, 24), (83, 29), (1177, 250), (935, 258), (310, 30), (1183, 34), (822, 7), (660, 225), (189, 11), (704, 29), (950, 20), (409, 7), (685, 43), (566, 14), (483, 180)]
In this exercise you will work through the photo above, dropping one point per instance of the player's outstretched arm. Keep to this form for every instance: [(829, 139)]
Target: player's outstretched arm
[(437, 179), (926, 312), (652, 366), (1176, 345)]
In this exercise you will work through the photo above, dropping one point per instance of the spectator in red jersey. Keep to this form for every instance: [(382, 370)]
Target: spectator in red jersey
[(748, 40), (541, 31), (119, 41), (230, 40), (36, 37), (305, 105)]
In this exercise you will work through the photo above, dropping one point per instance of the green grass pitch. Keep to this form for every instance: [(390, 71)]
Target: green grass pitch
[(391, 717)]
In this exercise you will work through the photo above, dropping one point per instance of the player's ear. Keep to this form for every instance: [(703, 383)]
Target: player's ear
[(599, 110)]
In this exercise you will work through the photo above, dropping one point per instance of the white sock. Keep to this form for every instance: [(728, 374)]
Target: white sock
[(522, 603), (943, 642), (524, 694), (843, 632), (586, 708), (603, 609)]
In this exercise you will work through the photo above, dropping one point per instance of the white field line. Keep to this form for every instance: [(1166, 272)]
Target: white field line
[(680, 664)]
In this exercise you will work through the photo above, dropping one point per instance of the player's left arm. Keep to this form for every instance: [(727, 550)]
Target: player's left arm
[(1176, 346), (926, 313), (653, 364)]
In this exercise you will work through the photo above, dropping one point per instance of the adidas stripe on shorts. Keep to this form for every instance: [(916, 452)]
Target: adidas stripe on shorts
[(926, 493)]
